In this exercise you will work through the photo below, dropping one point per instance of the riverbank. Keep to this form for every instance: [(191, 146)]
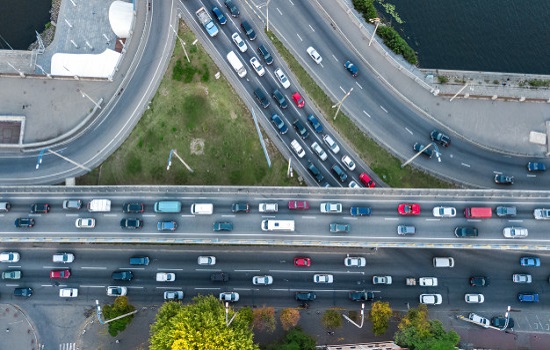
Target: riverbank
[(48, 34)]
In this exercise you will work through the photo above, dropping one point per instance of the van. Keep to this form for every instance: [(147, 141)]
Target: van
[(202, 208), (141, 260), (277, 225), (167, 207), (443, 262), (5, 206), (297, 149), (261, 97), (478, 213)]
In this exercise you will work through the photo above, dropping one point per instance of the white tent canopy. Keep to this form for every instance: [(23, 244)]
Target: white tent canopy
[(121, 15), (85, 65)]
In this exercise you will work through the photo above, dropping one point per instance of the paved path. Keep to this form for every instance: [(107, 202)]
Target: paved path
[(17, 330)]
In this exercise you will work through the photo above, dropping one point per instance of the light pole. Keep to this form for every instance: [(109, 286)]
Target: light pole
[(437, 154), (182, 43), (377, 22), (339, 104), (83, 94), (507, 315), (41, 154), (174, 152), (227, 323), (362, 317), (266, 13)]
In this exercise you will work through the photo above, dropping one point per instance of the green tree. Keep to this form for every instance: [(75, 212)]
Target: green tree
[(199, 325), (332, 319), (380, 315), (295, 339), (289, 318), (264, 319), (119, 307)]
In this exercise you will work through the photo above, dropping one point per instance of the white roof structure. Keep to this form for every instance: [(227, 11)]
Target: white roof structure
[(85, 65), (121, 15)]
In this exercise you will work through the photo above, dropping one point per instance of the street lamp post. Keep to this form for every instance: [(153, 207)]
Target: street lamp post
[(362, 317), (182, 43), (173, 152), (41, 154), (377, 22), (339, 104), (266, 12), (227, 323), (437, 154)]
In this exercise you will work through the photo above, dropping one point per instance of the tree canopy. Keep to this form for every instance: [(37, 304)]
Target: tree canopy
[(380, 315), (120, 307)]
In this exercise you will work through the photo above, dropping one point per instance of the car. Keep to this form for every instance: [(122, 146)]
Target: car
[(381, 280), (528, 297), (502, 179), (40, 208), (474, 298), (462, 232), (331, 144), (515, 232), (233, 10), (298, 205), (444, 212), (168, 225), (417, 147), (479, 320), (65, 258), (348, 162), (9, 257), (479, 281), (536, 166), (341, 174), (360, 211), (268, 207), (338, 228), (319, 151), (300, 103), (262, 280), (300, 129), (301, 261), (521, 278), (258, 68), (219, 15), (366, 180), (66, 273), (23, 292), (250, 33), (315, 123), (431, 299), (315, 172), (133, 208), (240, 207), (352, 69), (165, 277), (85, 223), (219, 277), (222, 226), (408, 209), (406, 230), (261, 97), (355, 261), (265, 54), (314, 55), (68, 292), (305, 296), (116, 291), (279, 98), (279, 124), (503, 211), (331, 208), (529, 261), (503, 322), (11, 275), (140, 260), (72, 204), (206, 260), (297, 148), (239, 42), (173, 295), (5, 207), (131, 223), (361, 295), (440, 138), (323, 278), (122, 275), (282, 78), (353, 184), (24, 222), (428, 281), (539, 214), (229, 296)]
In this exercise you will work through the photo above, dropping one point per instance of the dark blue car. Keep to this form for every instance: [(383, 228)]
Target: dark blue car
[(528, 297), (219, 15), (315, 124), (351, 68)]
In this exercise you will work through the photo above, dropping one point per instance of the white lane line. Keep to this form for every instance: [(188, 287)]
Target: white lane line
[(73, 215), (209, 270), (86, 286), (113, 215), (368, 115), (410, 132), (268, 216), (497, 172), (149, 215), (382, 108), (134, 268), (433, 219), (466, 165), (298, 35), (279, 11), (350, 218), (474, 220), (187, 216), (516, 220), (168, 269), (309, 217), (335, 58), (93, 268), (391, 219), (360, 87), (344, 91), (313, 30), (228, 216), (247, 270), (136, 287), (207, 288), (531, 175), (171, 288), (12, 285)]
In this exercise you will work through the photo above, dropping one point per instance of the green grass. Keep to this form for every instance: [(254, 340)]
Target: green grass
[(191, 107)]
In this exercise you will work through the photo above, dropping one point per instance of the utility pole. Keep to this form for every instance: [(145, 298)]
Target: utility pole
[(173, 152), (339, 104), (362, 317), (377, 22)]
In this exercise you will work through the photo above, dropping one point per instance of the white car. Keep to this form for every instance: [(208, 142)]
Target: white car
[(68, 292), (431, 299), (268, 207), (116, 291), (206, 260), (239, 42), (63, 258), (522, 278), (9, 257), (282, 78), (314, 55), (481, 321), (444, 212), (355, 261), (541, 214), (427, 281), (319, 150), (166, 277), (323, 278), (257, 66), (515, 232), (353, 184), (331, 144), (350, 164), (381, 280), (331, 208), (262, 280), (229, 296), (173, 295), (297, 148), (85, 223), (474, 298)]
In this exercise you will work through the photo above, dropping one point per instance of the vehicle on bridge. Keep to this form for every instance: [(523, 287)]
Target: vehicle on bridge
[(207, 22), (99, 205), (478, 213)]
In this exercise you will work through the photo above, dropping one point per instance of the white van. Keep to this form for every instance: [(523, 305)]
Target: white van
[(297, 149), (278, 225), (444, 262), (202, 208), (236, 64)]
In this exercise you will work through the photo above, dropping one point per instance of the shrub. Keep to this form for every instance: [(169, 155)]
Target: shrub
[(442, 79)]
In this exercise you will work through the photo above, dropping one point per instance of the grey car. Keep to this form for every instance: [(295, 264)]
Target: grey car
[(339, 228)]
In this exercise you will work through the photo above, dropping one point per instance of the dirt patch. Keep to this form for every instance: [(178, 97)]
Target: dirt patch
[(197, 146)]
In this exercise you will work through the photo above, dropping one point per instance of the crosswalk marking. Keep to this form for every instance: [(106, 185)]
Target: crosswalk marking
[(67, 346)]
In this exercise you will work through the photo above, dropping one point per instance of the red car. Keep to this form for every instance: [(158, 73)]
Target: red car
[(302, 262), (298, 100), (298, 205), (60, 273), (366, 180), (408, 209)]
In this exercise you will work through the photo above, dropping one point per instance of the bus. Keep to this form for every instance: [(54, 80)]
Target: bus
[(277, 225), (236, 64)]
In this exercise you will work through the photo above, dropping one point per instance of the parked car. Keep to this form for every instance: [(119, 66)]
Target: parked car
[(352, 69), (408, 209), (173, 295), (229, 296), (536, 166), (528, 297), (131, 223), (262, 280), (361, 295), (222, 226), (515, 232), (323, 278), (305, 296), (502, 179), (355, 261), (428, 281), (500, 322), (282, 78), (366, 180), (301, 261), (479, 320), (428, 152), (315, 123), (40, 208), (314, 55), (440, 138), (24, 222)]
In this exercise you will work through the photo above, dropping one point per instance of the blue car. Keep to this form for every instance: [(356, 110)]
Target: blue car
[(536, 166), (529, 261), (351, 68), (315, 124), (219, 15), (528, 297), (279, 123)]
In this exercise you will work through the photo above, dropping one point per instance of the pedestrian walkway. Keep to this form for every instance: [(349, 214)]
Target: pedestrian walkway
[(17, 330)]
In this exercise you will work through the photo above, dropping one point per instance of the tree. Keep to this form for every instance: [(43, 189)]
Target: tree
[(332, 319), (380, 315), (119, 308), (199, 325), (289, 318), (264, 319), (295, 339)]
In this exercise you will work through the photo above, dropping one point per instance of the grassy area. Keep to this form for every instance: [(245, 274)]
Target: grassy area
[(383, 163), (206, 121)]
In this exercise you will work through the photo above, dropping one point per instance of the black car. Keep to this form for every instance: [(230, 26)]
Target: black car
[(351, 68), (219, 15), (500, 322), (305, 296), (40, 208), (536, 166), (339, 172), (219, 277), (22, 292), (440, 138), (222, 226), (417, 147), (466, 232), (280, 99), (361, 295), (479, 281), (133, 208), (279, 124), (301, 129), (502, 179), (122, 275), (24, 222), (315, 172), (250, 33), (131, 223), (240, 207), (265, 54), (233, 10), (315, 124), (261, 97)]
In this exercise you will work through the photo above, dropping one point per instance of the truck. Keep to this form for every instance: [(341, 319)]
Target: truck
[(207, 21), (478, 213), (99, 205)]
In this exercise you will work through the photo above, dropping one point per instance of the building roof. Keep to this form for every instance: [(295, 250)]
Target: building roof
[(85, 65), (121, 15)]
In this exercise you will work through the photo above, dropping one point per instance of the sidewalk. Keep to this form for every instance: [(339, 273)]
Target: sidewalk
[(17, 330)]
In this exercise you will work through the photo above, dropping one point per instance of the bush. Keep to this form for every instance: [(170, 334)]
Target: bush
[(442, 79), (395, 42)]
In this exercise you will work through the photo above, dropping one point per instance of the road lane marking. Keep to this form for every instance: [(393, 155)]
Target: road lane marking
[(360, 87), (247, 270), (298, 35), (382, 108), (516, 220), (211, 288), (344, 91), (313, 30), (187, 216), (149, 215), (167, 269), (391, 219), (531, 175), (433, 219), (466, 165), (135, 287), (71, 215), (93, 268), (228, 216), (113, 215), (309, 217), (410, 132), (85, 286), (368, 115)]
